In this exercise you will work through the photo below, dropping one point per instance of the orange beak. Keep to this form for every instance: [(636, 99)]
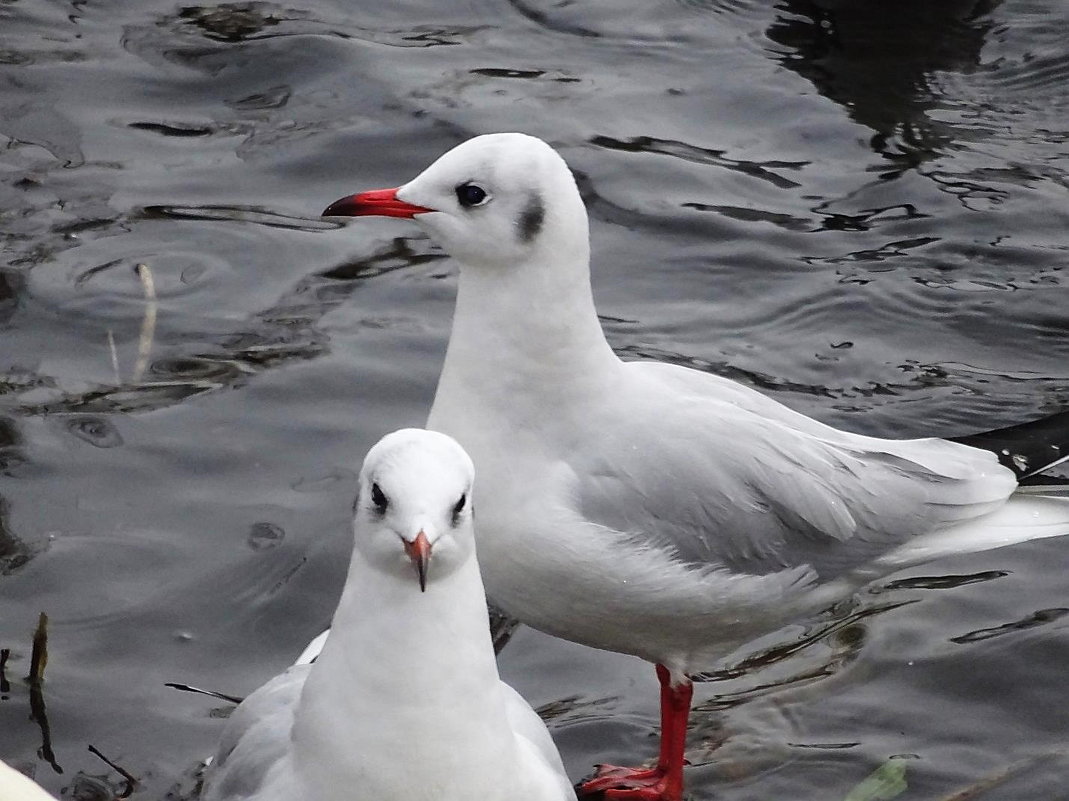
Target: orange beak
[(376, 203), (419, 551)]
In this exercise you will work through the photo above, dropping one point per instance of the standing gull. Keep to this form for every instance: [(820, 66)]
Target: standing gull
[(649, 508), (404, 700)]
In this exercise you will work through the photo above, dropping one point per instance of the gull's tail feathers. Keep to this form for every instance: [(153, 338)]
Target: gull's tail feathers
[(312, 650), (1027, 515)]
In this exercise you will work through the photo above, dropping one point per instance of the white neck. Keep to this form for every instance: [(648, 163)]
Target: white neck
[(403, 676), (523, 325)]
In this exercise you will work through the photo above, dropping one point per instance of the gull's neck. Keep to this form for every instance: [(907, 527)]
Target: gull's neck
[(525, 326), (403, 677)]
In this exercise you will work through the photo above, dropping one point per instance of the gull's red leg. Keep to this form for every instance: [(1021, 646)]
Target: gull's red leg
[(665, 781)]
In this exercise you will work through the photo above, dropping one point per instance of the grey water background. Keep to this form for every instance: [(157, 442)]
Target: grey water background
[(858, 208)]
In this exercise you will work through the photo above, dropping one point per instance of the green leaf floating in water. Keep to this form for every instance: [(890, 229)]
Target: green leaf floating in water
[(886, 782)]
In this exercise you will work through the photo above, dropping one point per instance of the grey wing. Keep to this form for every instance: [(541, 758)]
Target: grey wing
[(941, 456), (256, 737), (718, 483)]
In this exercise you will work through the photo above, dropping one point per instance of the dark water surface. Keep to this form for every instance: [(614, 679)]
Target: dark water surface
[(860, 208)]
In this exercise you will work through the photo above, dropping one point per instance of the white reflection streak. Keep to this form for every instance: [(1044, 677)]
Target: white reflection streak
[(114, 358), (148, 322)]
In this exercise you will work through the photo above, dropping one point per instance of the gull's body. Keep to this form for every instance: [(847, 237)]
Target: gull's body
[(404, 701), (751, 535), (649, 508), (15, 786)]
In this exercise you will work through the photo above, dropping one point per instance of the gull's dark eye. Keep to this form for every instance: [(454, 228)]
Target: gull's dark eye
[(378, 497), (458, 507), (471, 195)]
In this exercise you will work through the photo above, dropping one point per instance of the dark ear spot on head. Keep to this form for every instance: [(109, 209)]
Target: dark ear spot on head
[(531, 218)]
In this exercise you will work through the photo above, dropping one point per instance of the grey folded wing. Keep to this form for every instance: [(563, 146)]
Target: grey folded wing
[(721, 476), (256, 737)]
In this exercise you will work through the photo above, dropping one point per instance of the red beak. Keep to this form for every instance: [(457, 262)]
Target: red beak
[(376, 203), (419, 551)]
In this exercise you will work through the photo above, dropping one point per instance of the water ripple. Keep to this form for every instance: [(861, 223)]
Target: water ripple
[(242, 214), (1033, 71), (287, 331), (97, 431), (111, 400), (176, 129), (196, 36), (1039, 618), (858, 210), (765, 171), (547, 21), (504, 72)]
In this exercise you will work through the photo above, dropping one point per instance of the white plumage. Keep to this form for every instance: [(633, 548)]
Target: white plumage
[(404, 700), (691, 511), (644, 507), (14, 786)]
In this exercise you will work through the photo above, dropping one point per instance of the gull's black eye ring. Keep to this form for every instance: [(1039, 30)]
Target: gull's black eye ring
[(469, 195), (378, 497), (458, 507)]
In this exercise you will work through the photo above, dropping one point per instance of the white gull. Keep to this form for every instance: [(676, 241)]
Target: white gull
[(649, 508), (15, 786), (404, 702)]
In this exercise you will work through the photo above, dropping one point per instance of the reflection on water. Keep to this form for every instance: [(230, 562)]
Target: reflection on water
[(882, 63), (38, 659), (13, 552), (842, 630)]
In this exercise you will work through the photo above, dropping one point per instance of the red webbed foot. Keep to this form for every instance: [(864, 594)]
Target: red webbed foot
[(632, 784)]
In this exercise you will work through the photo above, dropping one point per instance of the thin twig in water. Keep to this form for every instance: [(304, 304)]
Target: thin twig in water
[(131, 782), (211, 693), (148, 322)]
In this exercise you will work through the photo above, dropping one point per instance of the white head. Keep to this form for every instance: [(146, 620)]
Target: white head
[(414, 506), (494, 201)]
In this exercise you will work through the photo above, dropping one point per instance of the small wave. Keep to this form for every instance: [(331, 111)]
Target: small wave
[(765, 171), (1040, 617), (97, 431), (178, 129), (240, 214)]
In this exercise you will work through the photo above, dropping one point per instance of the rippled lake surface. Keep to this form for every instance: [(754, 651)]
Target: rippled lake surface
[(859, 208)]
